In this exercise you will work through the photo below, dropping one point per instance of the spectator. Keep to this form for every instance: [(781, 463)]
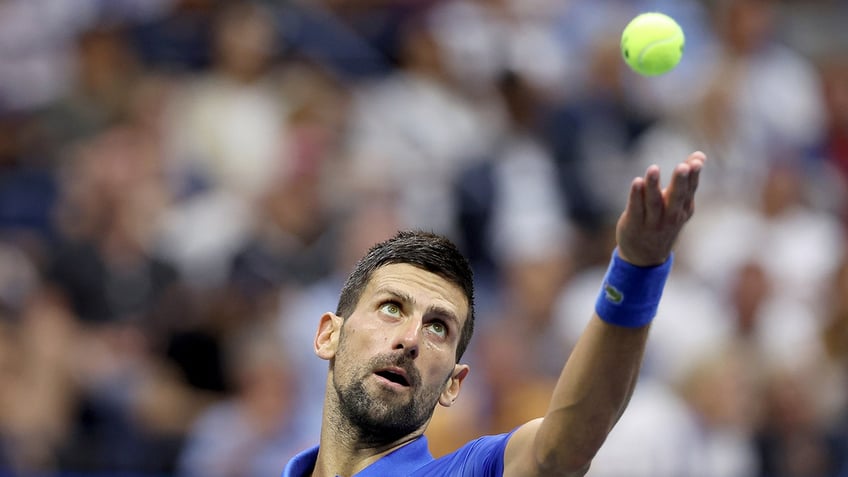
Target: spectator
[(254, 431)]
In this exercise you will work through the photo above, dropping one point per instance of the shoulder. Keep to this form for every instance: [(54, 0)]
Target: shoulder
[(482, 457)]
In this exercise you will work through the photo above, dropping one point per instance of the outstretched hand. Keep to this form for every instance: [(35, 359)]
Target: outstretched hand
[(649, 225)]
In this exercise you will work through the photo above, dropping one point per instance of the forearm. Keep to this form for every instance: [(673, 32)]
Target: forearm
[(601, 372), (590, 396)]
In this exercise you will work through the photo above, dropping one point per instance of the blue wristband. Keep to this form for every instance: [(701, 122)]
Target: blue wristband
[(630, 294)]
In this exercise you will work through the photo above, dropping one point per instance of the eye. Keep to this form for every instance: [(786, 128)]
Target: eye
[(439, 328), (390, 308)]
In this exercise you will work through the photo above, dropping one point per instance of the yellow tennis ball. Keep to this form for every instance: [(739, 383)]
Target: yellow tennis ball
[(652, 44)]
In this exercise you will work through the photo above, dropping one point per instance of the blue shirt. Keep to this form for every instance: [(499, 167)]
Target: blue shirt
[(483, 457)]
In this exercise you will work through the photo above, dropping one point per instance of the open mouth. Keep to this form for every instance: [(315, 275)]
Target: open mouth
[(393, 376)]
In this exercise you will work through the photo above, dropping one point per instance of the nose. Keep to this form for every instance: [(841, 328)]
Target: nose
[(408, 338)]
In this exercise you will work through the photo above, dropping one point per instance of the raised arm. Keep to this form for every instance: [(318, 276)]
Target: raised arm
[(600, 375)]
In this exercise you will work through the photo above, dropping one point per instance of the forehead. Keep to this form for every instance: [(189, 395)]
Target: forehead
[(426, 288)]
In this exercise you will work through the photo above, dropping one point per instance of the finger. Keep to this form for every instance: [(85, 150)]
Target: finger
[(697, 156), (696, 162), (636, 201), (680, 190), (653, 196)]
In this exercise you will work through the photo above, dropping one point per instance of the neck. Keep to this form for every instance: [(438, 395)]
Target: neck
[(344, 449), (337, 457)]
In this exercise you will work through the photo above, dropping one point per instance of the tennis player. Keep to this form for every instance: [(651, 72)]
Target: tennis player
[(405, 317)]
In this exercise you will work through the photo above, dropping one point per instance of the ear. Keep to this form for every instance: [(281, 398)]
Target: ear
[(451, 391), (327, 337)]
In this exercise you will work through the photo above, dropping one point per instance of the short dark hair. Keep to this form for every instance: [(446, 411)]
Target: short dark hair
[(426, 250)]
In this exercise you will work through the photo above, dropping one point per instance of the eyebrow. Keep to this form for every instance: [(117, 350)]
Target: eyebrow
[(404, 297)]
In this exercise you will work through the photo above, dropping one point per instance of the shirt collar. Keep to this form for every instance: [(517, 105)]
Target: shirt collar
[(302, 464), (402, 461)]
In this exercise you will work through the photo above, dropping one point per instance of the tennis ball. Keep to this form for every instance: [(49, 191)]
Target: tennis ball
[(652, 44)]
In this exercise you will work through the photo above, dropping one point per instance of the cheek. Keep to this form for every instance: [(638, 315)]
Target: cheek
[(357, 345), (441, 353), (438, 373), (372, 337), (346, 362)]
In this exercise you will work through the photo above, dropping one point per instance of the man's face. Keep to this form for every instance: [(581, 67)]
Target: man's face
[(396, 353)]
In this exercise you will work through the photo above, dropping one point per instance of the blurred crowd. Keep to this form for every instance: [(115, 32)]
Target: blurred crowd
[(184, 185)]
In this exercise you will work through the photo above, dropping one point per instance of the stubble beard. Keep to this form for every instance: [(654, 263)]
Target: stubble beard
[(379, 420)]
